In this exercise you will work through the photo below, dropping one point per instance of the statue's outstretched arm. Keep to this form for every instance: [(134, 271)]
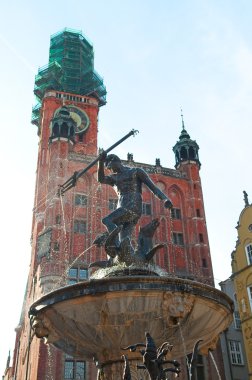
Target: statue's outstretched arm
[(151, 185)]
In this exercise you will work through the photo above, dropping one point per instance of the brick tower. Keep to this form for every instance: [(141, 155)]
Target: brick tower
[(69, 94)]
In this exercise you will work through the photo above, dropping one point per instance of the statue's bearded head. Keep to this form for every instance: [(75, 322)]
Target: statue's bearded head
[(113, 162)]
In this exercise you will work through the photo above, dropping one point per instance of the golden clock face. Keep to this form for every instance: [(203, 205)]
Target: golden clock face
[(80, 117)]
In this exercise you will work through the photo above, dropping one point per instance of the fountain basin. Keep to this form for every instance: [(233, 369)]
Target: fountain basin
[(96, 318)]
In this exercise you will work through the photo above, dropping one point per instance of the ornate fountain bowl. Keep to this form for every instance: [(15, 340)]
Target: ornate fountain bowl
[(96, 318)]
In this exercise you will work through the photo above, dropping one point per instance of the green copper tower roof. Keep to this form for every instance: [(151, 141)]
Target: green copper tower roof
[(186, 149), (70, 69)]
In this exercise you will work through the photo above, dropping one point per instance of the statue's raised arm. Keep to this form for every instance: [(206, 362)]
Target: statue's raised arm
[(151, 185)]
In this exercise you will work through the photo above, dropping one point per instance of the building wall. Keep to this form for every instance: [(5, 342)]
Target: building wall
[(233, 371), (242, 274)]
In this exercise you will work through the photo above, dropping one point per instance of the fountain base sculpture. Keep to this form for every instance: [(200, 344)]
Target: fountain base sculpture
[(129, 296), (95, 319)]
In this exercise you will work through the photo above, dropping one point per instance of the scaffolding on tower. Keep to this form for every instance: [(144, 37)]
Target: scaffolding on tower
[(70, 69)]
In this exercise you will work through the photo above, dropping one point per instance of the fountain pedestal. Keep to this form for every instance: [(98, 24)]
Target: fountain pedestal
[(95, 319)]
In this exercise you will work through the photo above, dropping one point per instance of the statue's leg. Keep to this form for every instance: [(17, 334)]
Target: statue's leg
[(112, 221), (121, 217), (128, 228), (115, 219)]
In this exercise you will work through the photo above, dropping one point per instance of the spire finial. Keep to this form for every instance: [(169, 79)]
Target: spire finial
[(246, 198), (182, 118)]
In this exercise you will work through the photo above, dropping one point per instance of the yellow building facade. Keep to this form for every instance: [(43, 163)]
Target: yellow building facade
[(242, 274)]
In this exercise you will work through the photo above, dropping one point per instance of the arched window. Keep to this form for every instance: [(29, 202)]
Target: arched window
[(64, 130), (55, 132), (191, 153), (183, 153), (71, 131)]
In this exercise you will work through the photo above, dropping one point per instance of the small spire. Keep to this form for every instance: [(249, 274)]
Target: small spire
[(246, 198), (182, 118)]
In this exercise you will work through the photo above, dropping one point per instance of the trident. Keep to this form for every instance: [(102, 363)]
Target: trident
[(71, 182)]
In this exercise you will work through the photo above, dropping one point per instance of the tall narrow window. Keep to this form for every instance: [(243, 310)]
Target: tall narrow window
[(80, 226), (80, 200), (249, 288), (175, 213), (58, 219), (237, 320), (249, 253), (204, 263), (178, 238), (235, 352), (146, 208), (198, 213), (201, 238)]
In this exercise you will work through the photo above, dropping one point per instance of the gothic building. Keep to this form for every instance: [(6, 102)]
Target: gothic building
[(242, 278), (69, 94)]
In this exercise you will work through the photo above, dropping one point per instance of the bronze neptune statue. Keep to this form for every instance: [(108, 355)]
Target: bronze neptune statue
[(128, 182)]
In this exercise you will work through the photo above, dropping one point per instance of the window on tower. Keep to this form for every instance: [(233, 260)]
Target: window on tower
[(204, 263), (58, 219), (80, 200), (80, 226), (175, 213), (178, 238), (64, 130), (146, 208), (183, 153), (198, 213), (56, 130), (201, 238)]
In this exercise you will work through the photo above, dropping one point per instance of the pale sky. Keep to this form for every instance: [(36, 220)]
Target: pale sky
[(155, 57)]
